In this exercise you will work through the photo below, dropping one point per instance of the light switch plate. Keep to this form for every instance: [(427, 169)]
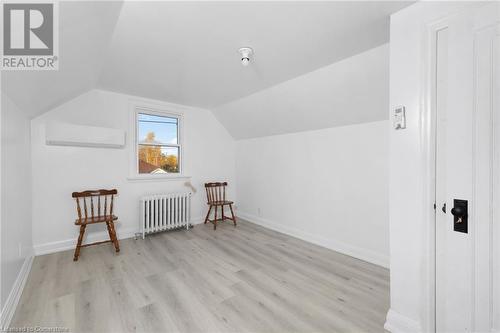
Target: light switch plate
[(399, 117)]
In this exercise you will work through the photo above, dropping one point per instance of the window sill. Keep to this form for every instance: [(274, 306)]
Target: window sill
[(147, 178)]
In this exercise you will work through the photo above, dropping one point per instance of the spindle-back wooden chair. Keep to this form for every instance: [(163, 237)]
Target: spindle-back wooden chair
[(216, 197), (103, 213)]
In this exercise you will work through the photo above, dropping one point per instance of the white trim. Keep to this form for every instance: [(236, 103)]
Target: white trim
[(397, 323), (69, 244), (427, 130), (353, 251), (159, 109), (15, 293), (157, 177), (495, 249)]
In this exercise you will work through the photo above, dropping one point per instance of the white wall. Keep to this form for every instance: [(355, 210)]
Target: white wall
[(16, 243), (327, 186), (313, 157), (58, 170)]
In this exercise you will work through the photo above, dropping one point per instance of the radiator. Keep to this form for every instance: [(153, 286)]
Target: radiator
[(165, 212)]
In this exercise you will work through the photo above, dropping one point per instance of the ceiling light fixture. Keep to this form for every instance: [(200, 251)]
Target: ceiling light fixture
[(246, 53)]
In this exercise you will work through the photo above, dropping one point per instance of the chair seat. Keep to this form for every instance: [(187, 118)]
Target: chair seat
[(218, 203), (96, 219)]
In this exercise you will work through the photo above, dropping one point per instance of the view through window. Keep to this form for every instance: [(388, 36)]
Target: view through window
[(158, 144)]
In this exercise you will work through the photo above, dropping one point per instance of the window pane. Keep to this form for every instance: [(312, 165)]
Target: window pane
[(158, 159), (159, 130)]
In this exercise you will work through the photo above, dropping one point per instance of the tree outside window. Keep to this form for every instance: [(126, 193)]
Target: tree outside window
[(158, 144)]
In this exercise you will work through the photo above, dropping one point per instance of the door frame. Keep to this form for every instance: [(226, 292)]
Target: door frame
[(427, 132)]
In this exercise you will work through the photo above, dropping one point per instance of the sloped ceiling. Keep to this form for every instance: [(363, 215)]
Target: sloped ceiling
[(351, 91), (186, 52), (86, 29)]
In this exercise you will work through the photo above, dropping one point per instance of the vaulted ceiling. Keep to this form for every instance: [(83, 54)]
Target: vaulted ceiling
[(351, 91), (86, 29), (186, 52)]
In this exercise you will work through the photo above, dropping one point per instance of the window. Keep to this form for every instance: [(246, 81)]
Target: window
[(158, 143)]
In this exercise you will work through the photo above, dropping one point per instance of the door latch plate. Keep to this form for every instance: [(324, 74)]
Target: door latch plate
[(461, 223)]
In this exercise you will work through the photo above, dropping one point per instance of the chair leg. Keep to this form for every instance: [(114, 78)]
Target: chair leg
[(208, 214), (112, 235), (215, 218), (223, 217), (232, 215), (79, 244)]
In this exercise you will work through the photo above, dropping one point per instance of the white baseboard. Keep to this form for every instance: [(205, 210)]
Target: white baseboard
[(353, 251), (15, 294), (69, 244), (397, 323)]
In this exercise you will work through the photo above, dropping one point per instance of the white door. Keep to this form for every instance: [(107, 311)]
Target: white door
[(466, 55)]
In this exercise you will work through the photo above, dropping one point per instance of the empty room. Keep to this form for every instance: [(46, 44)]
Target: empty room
[(250, 166)]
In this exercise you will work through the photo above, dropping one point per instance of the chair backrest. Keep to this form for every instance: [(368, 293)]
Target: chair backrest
[(216, 192), (94, 197)]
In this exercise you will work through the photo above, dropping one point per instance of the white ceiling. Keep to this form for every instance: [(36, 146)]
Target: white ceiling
[(186, 52), (86, 29), (351, 91)]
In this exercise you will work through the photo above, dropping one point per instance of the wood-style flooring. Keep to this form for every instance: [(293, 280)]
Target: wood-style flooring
[(235, 279)]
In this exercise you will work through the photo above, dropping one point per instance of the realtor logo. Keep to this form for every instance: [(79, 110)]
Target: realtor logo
[(29, 36)]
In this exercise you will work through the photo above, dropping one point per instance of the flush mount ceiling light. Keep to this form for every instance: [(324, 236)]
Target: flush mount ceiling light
[(246, 53)]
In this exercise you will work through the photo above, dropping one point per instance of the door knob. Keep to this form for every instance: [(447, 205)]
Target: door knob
[(458, 212)]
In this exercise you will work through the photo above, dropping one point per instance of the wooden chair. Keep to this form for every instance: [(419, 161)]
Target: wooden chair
[(102, 214), (216, 197)]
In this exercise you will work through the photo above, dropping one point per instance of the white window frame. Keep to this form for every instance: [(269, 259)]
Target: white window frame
[(156, 110)]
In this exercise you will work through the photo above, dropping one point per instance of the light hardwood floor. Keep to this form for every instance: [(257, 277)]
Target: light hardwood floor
[(243, 279)]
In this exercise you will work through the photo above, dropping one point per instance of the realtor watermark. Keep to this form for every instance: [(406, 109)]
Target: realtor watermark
[(30, 36)]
